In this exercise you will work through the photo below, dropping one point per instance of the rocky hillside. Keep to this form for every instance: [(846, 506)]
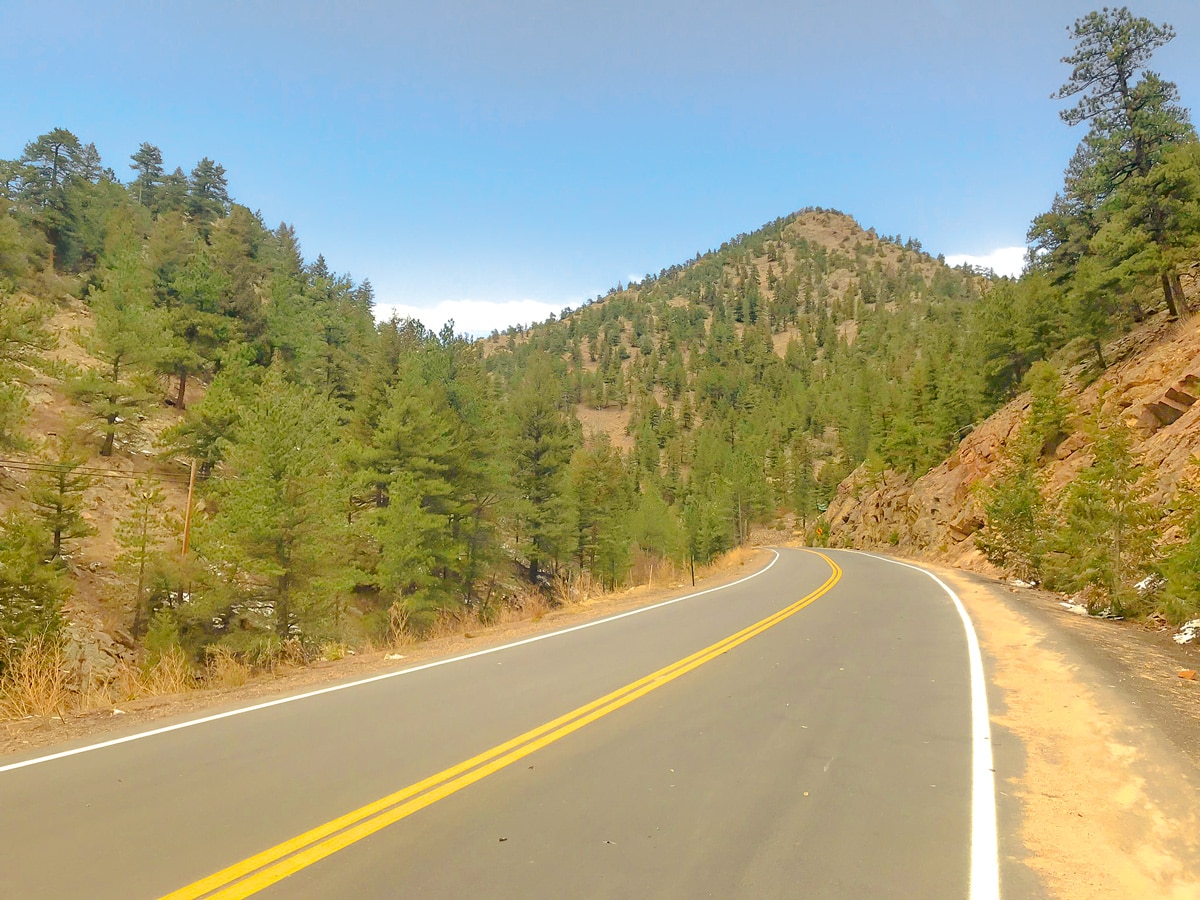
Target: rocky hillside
[(1152, 384)]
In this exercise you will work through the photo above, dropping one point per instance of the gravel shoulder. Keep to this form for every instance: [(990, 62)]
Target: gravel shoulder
[(1097, 742)]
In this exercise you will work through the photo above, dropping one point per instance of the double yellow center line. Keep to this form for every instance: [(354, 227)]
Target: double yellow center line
[(264, 869)]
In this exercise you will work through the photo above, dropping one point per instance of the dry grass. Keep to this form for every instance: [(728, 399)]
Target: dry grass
[(222, 668), (172, 674), (735, 558), (36, 682), (331, 651)]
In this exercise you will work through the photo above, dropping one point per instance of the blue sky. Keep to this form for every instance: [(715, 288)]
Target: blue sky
[(493, 161)]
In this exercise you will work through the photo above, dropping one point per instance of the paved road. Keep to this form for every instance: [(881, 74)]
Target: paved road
[(826, 752)]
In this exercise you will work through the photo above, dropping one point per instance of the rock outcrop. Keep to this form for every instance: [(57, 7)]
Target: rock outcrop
[(1153, 383)]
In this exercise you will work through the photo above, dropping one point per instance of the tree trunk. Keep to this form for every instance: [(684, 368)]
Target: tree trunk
[(1177, 289), (283, 612), (1099, 352), (139, 613), (110, 436), (182, 388), (1169, 296)]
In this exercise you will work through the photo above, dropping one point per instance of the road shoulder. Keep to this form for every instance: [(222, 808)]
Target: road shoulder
[(24, 736), (1097, 743)]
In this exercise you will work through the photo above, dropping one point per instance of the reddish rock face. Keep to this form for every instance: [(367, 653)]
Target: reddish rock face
[(1153, 385)]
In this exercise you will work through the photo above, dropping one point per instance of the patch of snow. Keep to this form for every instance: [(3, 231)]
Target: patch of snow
[(1151, 584), (1077, 608), (1188, 632), (394, 656)]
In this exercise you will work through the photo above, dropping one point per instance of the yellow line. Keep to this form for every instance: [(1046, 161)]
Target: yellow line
[(264, 869)]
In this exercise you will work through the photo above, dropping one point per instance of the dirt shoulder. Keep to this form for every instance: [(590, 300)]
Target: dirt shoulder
[(34, 734), (1097, 743)]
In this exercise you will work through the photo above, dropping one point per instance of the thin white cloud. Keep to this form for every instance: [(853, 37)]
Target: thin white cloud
[(1003, 261), (477, 318)]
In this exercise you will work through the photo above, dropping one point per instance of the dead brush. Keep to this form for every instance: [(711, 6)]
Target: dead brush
[(223, 668), (172, 673), (525, 608), (127, 681), (331, 651), (36, 681), (399, 627), (732, 559)]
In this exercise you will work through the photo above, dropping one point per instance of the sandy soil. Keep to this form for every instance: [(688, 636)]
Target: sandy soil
[(1108, 795)]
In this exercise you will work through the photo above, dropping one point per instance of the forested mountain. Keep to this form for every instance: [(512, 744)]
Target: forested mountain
[(1089, 481), (356, 478)]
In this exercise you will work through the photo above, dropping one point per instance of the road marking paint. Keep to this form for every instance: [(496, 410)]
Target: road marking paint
[(240, 711), (273, 865), (985, 848)]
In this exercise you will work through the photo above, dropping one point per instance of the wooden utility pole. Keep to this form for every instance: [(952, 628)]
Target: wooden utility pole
[(187, 516)]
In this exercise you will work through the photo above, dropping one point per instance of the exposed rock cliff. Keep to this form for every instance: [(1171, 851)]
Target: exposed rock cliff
[(1153, 382)]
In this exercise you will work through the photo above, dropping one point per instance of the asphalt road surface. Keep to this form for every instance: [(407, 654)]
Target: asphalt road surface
[(810, 731)]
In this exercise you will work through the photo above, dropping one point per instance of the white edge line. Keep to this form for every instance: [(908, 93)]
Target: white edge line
[(178, 726), (985, 848)]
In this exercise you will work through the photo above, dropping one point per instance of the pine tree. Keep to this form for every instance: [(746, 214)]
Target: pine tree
[(126, 343), (602, 500), (1181, 566), (1132, 123), (23, 339), (541, 446), (57, 494), (279, 520), (141, 533), (1107, 535), (31, 592), (208, 191), (147, 162)]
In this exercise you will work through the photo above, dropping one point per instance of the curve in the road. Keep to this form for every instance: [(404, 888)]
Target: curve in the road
[(985, 855), (252, 875), (410, 670)]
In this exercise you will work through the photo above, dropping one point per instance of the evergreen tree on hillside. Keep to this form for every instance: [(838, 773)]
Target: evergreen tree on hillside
[(541, 444), (24, 337), (125, 342), (147, 163), (279, 522), (31, 592), (1134, 116), (1107, 533), (141, 533), (196, 331), (1182, 562), (57, 494), (210, 428), (603, 499), (208, 191)]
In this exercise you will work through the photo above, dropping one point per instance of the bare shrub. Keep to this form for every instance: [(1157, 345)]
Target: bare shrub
[(172, 673), (36, 681), (334, 650), (224, 669)]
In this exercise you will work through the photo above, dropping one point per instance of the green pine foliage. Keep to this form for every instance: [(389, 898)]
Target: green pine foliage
[(142, 535), (56, 494), (356, 473), (1181, 564), (31, 592), (1106, 540), (278, 529)]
